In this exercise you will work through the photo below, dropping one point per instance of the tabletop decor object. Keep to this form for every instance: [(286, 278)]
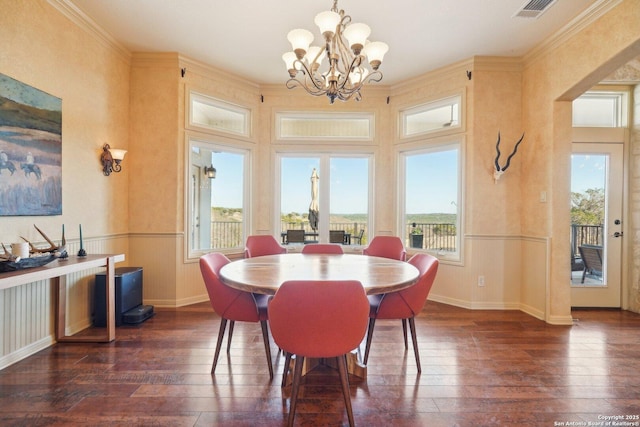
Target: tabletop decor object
[(81, 252), (23, 263), (37, 257)]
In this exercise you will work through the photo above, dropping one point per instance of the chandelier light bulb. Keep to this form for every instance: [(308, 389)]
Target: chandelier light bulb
[(357, 75), (300, 40), (375, 53), (312, 57), (289, 58), (356, 35), (327, 22)]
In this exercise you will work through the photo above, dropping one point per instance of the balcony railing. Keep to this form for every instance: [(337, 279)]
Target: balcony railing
[(226, 234), (441, 237), (585, 235), (353, 228)]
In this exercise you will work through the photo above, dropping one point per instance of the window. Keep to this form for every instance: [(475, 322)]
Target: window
[(211, 114), (324, 126), (435, 116), (217, 214), (343, 190), (601, 109), (431, 200)]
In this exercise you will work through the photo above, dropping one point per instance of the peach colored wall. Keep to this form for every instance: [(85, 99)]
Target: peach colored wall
[(156, 149), (44, 49), (551, 80), (51, 50), (494, 207)]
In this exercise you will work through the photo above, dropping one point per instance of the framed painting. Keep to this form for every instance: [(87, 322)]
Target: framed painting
[(30, 150)]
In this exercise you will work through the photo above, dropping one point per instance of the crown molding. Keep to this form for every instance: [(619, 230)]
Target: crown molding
[(579, 23), (82, 20), (434, 76)]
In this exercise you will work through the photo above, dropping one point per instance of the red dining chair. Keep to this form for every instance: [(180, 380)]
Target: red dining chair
[(322, 248), (404, 304), (262, 244), (386, 247), (233, 305), (319, 319)]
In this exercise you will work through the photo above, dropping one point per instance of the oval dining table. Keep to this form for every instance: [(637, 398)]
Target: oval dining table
[(265, 274)]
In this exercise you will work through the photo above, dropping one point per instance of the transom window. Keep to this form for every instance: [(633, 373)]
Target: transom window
[(217, 115), (324, 126), (436, 116), (601, 109)]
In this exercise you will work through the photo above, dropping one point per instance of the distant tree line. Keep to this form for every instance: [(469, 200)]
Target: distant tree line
[(588, 208)]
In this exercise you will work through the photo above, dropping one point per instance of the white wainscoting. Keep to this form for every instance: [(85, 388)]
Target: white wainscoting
[(515, 271), (27, 313)]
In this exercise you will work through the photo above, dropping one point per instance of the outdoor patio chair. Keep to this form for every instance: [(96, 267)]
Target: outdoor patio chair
[(357, 239), (295, 236), (592, 259), (336, 236)]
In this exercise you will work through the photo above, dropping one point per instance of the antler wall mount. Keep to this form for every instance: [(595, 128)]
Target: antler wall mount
[(497, 173)]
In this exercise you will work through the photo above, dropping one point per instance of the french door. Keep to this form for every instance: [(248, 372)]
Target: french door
[(596, 231)]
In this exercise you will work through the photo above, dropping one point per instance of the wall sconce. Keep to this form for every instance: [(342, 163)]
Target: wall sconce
[(210, 172), (111, 159)]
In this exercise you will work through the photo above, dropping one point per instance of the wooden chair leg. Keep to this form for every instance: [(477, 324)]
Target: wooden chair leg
[(414, 338), (297, 375), (372, 323), (287, 364), (404, 333), (267, 346), (223, 325), (231, 323), (344, 380)]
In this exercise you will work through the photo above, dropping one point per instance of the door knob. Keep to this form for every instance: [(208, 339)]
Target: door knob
[(617, 234)]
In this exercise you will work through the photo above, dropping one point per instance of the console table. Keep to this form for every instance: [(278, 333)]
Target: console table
[(57, 271)]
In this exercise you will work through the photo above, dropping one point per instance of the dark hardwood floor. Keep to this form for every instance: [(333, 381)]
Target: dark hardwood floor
[(479, 368)]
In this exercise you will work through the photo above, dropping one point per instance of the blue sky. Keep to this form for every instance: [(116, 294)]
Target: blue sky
[(432, 177), (226, 188), (432, 180), (587, 171), (349, 191)]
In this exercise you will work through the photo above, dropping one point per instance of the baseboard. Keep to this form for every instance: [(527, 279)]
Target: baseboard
[(560, 320), (470, 305), (531, 311), (26, 351), (177, 303)]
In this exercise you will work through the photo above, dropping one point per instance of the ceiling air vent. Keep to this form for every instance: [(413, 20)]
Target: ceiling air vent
[(534, 8)]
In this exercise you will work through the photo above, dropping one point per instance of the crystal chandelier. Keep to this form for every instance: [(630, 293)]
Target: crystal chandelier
[(347, 69)]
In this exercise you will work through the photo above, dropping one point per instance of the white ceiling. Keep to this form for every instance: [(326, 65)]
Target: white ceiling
[(248, 37)]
